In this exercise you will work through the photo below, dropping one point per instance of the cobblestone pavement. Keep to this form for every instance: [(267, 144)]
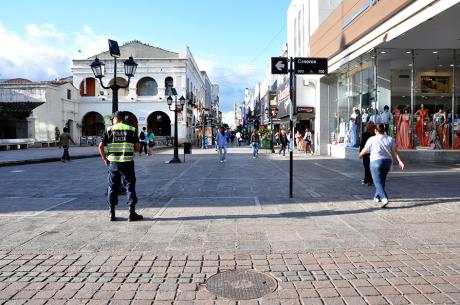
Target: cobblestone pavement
[(330, 244)]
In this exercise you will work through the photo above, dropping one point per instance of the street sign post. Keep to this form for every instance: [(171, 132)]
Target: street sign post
[(310, 65), (279, 65), (297, 65)]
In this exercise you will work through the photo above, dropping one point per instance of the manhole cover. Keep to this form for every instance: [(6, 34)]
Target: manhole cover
[(241, 284)]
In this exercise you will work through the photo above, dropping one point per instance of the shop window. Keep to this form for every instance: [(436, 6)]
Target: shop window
[(147, 86)]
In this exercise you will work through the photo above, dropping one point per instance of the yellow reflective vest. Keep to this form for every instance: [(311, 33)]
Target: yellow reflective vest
[(119, 140)]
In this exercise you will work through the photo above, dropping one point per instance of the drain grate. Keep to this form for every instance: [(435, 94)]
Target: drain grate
[(241, 284)]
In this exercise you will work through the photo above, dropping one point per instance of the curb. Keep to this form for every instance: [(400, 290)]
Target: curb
[(44, 160), (56, 159)]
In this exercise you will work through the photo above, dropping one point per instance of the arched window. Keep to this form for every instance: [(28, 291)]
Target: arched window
[(88, 87), (122, 82), (147, 86), (169, 83)]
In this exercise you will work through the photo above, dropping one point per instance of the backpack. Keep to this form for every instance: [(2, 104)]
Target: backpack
[(142, 136)]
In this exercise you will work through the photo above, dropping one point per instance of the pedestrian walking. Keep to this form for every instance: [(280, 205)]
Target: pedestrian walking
[(238, 138), (283, 139), (307, 141), (121, 141), (298, 139), (64, 141), (150, 139), (221, 143), (255, 143), (381, 148), (369, 131), (143, 141)]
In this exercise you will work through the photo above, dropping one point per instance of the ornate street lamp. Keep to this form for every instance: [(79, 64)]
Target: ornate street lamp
[(98, 69), (177, 108)]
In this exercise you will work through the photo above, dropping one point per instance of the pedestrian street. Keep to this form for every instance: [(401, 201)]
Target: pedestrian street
[(331, 243)]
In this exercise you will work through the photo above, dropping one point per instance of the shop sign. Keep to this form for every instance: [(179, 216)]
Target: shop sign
[(305, 109), (141, 120)]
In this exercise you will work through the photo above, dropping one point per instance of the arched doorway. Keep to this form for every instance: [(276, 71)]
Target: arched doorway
[(160, 123), (69, 125), (130, 119), (93, 124)]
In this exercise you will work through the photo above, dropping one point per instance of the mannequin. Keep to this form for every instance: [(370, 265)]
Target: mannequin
[(342, 130), (441, 127), (403, 140), (420, 126), (352, 131)]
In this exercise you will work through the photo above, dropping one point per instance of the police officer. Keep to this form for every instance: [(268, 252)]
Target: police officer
[(122, 142)]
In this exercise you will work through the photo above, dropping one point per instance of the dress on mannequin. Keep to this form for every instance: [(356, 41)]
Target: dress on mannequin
[(403, 140), (442, 128), (420, 126)]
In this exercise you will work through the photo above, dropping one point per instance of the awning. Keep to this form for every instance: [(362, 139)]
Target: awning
[(19, 106)]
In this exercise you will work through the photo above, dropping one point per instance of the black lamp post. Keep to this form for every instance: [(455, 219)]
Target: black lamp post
[(177, 108), (98, 69)]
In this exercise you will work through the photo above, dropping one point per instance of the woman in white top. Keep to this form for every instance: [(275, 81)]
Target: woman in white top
[(381, 147)]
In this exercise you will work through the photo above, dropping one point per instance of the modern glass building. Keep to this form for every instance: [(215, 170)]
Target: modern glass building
[(403, 56)]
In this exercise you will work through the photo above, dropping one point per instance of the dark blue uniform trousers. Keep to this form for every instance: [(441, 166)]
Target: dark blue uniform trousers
[(117, 170)]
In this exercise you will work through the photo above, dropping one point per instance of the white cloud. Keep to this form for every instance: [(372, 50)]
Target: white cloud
[(228, 117), (43, 53), (231, 80)]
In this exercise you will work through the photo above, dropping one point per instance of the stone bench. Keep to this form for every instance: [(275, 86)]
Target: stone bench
[(14, 144)]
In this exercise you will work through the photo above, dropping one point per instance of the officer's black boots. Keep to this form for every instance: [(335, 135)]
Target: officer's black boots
[(112, 213), (133, 216)]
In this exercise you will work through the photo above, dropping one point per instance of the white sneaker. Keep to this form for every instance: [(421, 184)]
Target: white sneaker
[(385, 202), (221, 161), (376, 199)]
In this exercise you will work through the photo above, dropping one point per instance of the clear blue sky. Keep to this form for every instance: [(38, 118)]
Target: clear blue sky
[(225, 33)]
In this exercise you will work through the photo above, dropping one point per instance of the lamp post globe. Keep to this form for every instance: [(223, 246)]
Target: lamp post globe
[(98, 70)]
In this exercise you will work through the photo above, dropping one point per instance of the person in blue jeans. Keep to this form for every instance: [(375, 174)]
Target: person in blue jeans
[(221, 142), (255, 143), (381, 148)]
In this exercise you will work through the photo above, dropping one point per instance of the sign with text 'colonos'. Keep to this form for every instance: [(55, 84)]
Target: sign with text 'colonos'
[(302, 65)]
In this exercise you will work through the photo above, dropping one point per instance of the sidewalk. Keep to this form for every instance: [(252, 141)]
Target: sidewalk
[(49, 154)]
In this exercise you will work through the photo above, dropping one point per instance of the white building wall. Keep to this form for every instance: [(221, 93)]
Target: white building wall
[(185, 75), (303, 18)]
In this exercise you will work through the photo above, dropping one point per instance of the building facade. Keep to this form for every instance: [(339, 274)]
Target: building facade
[(404, 55), (144, 101), (31, 112)]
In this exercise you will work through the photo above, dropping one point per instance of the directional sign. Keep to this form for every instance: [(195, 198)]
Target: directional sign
[(279, 65), (309, 65)]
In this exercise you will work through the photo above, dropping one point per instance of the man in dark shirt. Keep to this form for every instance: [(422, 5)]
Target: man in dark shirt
[(122, 143)]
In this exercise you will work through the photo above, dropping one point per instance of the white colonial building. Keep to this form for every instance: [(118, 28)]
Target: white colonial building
[(30, 112), (144, 101)]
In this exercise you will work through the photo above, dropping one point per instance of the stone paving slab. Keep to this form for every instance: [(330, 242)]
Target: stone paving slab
[(398, 276)]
